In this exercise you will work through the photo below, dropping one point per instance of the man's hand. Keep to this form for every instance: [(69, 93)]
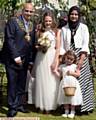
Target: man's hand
[(18, 61), (30, 67)]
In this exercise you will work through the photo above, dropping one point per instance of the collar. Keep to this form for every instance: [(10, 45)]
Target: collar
[(25, 22)]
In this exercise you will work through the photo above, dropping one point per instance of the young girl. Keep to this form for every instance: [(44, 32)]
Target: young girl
[(69, 75)]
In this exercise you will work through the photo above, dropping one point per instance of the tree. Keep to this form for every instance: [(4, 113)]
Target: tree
[(8, 7)]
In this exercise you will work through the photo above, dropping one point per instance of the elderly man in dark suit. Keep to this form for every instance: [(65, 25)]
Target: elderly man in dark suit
[(18, 47)]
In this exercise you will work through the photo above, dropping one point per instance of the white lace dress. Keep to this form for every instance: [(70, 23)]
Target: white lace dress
[(47, 83), (66, 82)]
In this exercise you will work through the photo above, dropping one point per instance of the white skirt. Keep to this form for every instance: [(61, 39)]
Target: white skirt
[(47, 84), (73, 100)]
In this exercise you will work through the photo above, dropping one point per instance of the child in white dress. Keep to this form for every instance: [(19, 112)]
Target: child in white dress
[(69, 74)]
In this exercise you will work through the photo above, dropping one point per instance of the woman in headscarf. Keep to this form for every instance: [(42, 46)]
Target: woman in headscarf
[(75, 36)]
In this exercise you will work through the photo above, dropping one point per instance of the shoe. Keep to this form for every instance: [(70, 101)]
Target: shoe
[(22, 109), (91, 111), (64, 115), (11, 113), (84, 113), (71, 115)]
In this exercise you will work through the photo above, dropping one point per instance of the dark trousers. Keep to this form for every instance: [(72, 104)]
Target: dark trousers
[(16, 86)]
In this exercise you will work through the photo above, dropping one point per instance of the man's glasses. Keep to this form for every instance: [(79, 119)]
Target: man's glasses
[(29, 11)]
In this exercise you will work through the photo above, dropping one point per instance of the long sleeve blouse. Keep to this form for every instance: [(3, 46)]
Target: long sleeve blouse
[(81, 38)]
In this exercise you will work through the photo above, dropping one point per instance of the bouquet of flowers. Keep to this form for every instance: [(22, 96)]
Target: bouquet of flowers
[(44, 43)]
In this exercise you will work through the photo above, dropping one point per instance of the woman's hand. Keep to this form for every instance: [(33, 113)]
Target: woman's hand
[(81, 60), (80, 64), (30, 66), (57, 73), (54, 65)]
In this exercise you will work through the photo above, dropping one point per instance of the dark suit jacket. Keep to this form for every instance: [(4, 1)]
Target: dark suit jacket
[(15, 44)]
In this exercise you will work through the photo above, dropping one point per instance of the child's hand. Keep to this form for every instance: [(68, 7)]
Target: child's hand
[(56, 73), (69, 73), (75, 74)]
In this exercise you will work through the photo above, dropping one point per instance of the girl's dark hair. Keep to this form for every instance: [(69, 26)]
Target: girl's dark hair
[(54, 25), (71, 53)]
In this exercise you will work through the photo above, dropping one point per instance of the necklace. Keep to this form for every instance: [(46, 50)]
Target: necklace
[(27, 31)]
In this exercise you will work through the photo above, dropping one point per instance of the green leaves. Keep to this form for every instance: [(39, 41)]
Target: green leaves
[(8, 7), (88, 9)]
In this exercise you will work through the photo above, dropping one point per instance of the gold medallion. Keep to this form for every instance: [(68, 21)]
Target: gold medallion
[(22, 27), (27, 37)]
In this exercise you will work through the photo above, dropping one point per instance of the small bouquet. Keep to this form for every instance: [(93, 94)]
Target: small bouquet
[(44, 43)]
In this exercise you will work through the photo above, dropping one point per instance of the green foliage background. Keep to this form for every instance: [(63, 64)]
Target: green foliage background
[(7, 8), (88, 9)]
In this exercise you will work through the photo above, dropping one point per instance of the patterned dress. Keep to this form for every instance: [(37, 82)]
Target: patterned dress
[(86, 83)]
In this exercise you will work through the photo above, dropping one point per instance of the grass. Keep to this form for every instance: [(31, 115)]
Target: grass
[(33, 113)]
